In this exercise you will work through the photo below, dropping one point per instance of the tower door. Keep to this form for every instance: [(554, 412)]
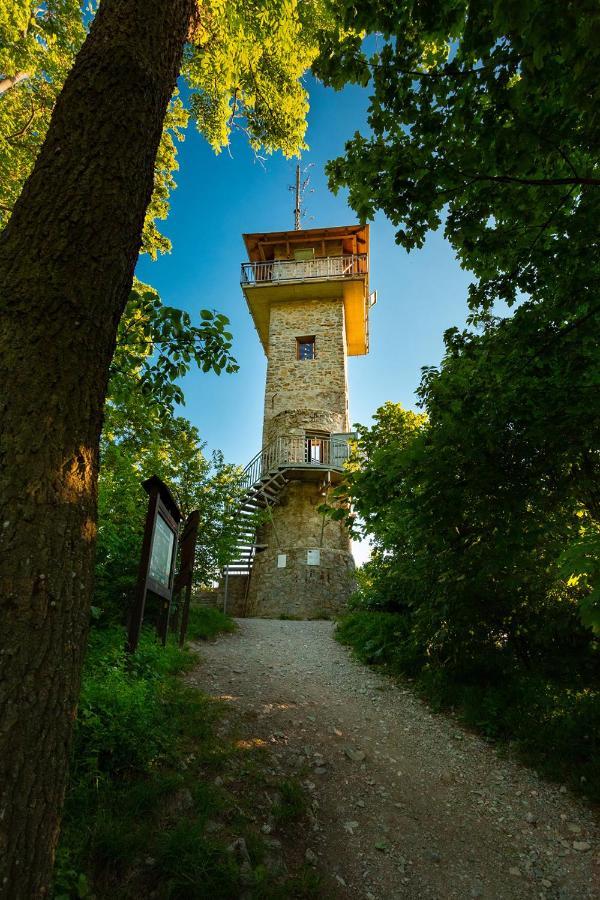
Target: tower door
[(340, 447), (316, 448)]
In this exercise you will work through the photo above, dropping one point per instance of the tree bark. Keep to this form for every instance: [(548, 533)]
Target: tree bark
[(67, 258)]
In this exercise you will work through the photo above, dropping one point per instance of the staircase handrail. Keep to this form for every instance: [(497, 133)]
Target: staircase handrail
[(247, 475)]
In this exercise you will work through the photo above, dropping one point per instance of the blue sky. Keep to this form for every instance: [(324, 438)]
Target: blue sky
[(220, 197)]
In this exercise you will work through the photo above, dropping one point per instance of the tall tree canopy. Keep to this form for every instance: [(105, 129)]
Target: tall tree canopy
[(483, 119), (242, 69)]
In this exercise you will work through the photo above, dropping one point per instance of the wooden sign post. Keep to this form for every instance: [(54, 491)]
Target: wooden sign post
[(157, 561), (183, 579)]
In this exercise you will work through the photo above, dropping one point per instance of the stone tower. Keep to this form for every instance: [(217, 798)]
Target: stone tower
[(308, 294)]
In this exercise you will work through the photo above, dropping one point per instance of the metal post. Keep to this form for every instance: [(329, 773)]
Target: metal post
[(226, 589), (297, 207)]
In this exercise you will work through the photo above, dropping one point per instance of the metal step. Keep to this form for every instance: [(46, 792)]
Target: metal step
[(261, 495)]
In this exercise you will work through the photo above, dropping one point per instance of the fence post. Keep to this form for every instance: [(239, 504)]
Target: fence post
[(226, 589)]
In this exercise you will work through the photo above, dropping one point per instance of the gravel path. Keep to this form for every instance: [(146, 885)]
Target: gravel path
[(405, 803)]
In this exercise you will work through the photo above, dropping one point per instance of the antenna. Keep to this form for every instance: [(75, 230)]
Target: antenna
[(299, 189)]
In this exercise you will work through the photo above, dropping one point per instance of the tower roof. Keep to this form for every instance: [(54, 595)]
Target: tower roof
[(311, 263)]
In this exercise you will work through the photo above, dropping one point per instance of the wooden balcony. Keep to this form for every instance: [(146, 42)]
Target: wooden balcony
[(310, 264), (289, 271)]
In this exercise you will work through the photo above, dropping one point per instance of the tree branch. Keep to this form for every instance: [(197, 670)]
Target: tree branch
[(21, 132), (535, 182), (10, 81)]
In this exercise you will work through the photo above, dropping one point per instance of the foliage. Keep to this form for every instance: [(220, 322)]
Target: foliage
[(136, 723), (123, 721), (242, 70), (205, 623), (169, 447), (292, 803), (580, 564), (381, 639), (158, 344), (469, 525), (244, 67), (481, 116), (165, 166), (38, 44)]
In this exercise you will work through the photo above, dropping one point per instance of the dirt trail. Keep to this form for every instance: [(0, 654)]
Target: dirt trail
[(430, 811)]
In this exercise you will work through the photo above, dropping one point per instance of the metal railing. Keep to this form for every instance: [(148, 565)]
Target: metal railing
[(300, 270), (299, 450)]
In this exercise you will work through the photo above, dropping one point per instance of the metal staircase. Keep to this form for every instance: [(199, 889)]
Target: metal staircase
[(263, 494), (265, 477)]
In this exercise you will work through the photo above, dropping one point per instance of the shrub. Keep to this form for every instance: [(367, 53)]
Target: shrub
[(206, 622)]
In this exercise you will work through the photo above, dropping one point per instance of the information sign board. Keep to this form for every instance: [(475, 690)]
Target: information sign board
[(161, 557), (157, 560)]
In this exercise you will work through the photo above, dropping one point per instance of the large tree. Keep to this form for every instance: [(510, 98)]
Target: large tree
[(483, 121), (482, 118), (67, 258)]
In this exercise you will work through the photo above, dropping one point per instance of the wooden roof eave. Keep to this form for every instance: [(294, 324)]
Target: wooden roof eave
[(255, 240)]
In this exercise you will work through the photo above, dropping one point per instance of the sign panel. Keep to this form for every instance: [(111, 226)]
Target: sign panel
[(281, 560), (313, 557), (161, 556), (157, 559)]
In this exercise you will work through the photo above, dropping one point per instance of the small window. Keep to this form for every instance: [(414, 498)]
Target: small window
[(305, 347), (304, 255)]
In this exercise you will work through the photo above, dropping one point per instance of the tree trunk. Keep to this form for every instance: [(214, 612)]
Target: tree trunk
[(66, 266)]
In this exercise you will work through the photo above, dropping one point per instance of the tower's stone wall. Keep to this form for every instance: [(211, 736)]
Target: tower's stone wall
[(300, 396), (297, 588), (310, 393)]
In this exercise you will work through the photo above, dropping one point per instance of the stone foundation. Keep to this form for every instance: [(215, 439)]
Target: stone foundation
[(283, 581), (300, 590)]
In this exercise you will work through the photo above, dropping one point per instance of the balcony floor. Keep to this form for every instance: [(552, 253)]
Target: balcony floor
[(309, 471)]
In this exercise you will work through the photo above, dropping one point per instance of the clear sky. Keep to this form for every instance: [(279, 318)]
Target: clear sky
[(220, 197)]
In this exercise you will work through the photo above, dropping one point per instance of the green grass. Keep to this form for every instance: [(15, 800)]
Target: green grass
[(206, 622), (144, 814), (553, 726), (292, 803)]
